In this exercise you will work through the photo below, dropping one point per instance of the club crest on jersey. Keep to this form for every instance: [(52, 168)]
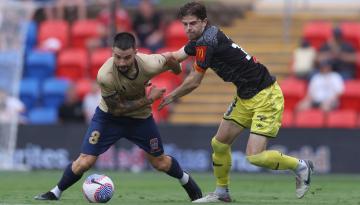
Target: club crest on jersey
[(154, 145), (200, 53)]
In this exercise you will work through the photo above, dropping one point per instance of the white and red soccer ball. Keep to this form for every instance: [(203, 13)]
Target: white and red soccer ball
[(98, 188)]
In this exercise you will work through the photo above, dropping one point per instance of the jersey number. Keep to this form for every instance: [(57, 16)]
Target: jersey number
[(234, 45)]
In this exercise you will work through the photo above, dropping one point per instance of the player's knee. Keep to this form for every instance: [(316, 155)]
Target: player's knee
[(83, 163), (258, 159), (219, 147), (161, 164)]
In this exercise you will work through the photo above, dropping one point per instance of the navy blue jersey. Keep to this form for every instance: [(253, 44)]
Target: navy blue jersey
[(229, 61)]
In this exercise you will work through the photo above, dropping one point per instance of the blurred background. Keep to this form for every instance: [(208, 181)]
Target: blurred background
[(51, 50)]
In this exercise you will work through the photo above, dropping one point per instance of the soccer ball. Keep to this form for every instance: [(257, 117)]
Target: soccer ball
[(98, 188)]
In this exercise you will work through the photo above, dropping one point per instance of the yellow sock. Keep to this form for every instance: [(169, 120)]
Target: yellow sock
[(272, 159), (221, 162)]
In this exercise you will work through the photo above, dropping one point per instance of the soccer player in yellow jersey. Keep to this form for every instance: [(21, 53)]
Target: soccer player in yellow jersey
[(125, 112), (258, 103)]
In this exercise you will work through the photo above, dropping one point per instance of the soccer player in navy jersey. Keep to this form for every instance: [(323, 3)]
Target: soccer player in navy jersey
[(125, 112), (257, 105)]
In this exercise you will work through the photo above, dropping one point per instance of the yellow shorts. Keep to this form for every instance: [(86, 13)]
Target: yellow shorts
[(261, 113)]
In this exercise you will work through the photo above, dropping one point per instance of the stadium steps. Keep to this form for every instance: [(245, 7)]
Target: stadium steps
[(263, 37)]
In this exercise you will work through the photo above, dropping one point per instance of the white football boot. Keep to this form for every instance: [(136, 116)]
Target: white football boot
[(303, 179), (213, 198)]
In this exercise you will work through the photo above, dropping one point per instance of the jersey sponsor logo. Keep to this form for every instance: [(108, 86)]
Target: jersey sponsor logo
[(200, 53), (94, 139), (154, 145)]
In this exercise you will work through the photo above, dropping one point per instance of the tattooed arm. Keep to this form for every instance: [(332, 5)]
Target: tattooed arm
[(118, 106)]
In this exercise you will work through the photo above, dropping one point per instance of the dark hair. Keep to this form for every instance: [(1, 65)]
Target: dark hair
[(124, 41), (194, 9)]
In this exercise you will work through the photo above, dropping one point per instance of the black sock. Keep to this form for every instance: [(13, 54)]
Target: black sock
[(175, 169), (69, 178)]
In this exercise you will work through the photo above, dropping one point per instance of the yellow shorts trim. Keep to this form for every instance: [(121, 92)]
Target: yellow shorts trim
[(261, 113)]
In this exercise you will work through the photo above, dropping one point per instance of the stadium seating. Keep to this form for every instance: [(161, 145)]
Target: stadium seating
[(351, 33), (82, 87), (317, 32), (54, 91), (287, 119), (350, 100), (83, 30), (358, 65), (175, 35), (342, 119), (31, 35), (29, 92), (72, 64), (58, 29), (40, 64), (294, 90), (46, 115), (313, 118), (97, 59)]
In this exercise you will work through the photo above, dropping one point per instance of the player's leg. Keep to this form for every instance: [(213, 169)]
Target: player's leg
[(147, 137), (221, 145), (171, 167), (72, 173), (268, 106), (275, 160), (101, 134)]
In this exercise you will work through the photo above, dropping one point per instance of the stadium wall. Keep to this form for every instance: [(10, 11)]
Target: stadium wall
[(52, 147)]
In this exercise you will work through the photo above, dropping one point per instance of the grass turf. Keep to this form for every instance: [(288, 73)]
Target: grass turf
[(157, 188)]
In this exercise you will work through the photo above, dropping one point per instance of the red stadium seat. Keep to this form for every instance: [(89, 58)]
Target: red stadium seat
[(358, 65), (342, 119), (72, 63), (294, 90), (351, 33), (97, 59), (82, 87), (287, 119), (82, 30), (57, 29), (350, 99), (175, 35), (317, 32), (313, 118)]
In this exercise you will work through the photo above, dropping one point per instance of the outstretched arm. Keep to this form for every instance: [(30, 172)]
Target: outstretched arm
[(191, 82), (173, 59)]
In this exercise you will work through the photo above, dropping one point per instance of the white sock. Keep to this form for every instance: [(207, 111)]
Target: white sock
[(184, 179), (56, 191), (300, 167), (222, 190)]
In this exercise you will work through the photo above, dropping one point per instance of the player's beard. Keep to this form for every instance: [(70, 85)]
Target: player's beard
[(124, 69)]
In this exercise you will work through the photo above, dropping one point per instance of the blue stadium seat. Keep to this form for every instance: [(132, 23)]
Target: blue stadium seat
[(29, 92), (40, 64), (31, 35), (43, 116), (54, 91), (136, 2)]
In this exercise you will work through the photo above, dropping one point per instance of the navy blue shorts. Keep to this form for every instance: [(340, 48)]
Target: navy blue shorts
[(106, 129)]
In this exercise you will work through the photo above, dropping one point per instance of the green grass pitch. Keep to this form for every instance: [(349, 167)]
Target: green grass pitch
[(159, 189)]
